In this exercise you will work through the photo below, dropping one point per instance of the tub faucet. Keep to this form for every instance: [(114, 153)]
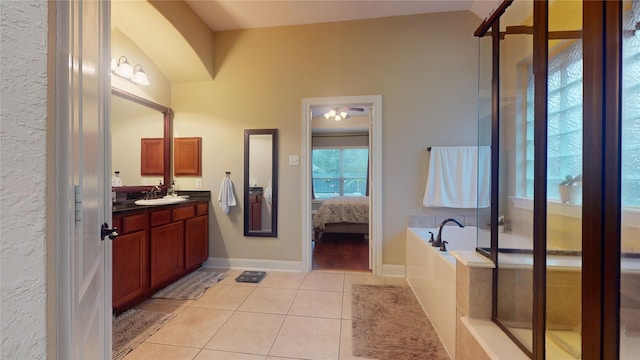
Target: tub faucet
[(438, 241)]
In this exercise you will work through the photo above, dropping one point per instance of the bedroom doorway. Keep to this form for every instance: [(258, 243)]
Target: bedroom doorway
[(351, 130)]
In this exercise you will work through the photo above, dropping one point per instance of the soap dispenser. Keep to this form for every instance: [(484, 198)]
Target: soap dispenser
[(171, 191), (116, 181)]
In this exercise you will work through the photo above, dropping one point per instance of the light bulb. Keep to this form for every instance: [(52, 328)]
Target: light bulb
[(139, 76), (124, 68)]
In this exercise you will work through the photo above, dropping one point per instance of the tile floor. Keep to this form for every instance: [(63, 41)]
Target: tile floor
[(286, 316)]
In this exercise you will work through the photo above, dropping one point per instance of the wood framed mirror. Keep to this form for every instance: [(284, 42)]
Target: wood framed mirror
[(137, 119), (261, 182)]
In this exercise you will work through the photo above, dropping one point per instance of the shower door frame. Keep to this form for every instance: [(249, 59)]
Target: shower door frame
[(601, 210)]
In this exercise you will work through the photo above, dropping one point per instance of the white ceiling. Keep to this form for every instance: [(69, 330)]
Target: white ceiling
[(223, 15)]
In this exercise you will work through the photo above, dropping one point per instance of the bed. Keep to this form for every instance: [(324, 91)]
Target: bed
[(343, 214)]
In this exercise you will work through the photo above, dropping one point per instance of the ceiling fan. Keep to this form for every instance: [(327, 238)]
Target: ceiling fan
[(341, 113)]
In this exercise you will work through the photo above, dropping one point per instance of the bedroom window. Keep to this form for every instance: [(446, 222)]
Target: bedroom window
[(340, 171)]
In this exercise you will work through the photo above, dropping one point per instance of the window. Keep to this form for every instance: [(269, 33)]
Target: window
[(564, 151), (564, 108), (340, 171), (631, 110)]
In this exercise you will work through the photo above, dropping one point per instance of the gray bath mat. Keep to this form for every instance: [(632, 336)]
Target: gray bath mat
[(190, 286), (133, 327)]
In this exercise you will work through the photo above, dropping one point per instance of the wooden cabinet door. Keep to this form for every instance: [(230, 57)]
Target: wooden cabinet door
[(187, 155), (130, 277), (197, 241), (152, 156), (255, 212), (167, 253)]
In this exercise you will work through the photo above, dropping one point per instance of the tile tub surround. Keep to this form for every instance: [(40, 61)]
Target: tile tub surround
[(287, 315)]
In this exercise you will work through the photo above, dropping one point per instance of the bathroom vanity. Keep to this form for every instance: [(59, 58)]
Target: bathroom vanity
[(156, 246)]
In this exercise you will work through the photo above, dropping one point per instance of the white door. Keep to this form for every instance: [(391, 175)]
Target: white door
[(84, 328)]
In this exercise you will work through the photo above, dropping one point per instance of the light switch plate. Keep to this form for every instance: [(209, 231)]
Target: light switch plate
[(294, 160)]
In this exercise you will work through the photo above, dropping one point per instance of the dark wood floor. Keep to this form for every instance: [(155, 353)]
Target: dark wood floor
[(341, 252)]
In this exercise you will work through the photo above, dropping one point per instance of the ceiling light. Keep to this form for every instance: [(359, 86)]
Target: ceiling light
[(124, 69), (139, 76), (333, 114)]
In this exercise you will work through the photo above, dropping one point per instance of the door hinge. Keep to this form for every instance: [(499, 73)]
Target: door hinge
[(77, 189)]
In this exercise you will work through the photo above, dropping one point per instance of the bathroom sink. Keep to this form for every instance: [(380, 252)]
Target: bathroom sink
[(162, 201)]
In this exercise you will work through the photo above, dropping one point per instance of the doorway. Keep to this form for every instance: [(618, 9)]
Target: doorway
[(373, 103)]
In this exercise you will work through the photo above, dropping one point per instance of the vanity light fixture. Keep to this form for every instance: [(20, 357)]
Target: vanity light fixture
[(123, 69), (139, 76), (337, 116)]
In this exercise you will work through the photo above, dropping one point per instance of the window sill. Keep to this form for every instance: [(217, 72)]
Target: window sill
[(630, 216)]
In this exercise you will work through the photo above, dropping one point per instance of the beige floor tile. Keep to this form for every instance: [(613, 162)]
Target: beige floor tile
[(225, 355), (347, 312), (191, 327), (365, 279), (281, 358), (397, 281), (308, 338), (283, 280), (224, 297), (269, 301), (248, 333), (346, 343), (327, 304), (323, 280), (146, 351)]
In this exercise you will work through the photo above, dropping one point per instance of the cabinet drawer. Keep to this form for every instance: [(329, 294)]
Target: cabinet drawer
[(134, 223), (202, 209), (117, 223), (182, 213), (160, 217)]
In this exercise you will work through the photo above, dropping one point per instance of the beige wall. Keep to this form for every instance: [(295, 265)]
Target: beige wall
[(424, 66)]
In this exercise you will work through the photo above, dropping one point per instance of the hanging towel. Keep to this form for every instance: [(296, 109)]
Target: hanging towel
[(225, 197), (268, 194), (459, 177)]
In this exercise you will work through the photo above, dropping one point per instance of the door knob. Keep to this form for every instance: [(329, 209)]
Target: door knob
[(105, 231)]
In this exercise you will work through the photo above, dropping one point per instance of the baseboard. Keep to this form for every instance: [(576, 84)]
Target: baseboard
[(391, 270), (388, 270), (252, 264)]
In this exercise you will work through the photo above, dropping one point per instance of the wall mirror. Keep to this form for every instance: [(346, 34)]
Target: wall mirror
[(132, 119), (261, 182)]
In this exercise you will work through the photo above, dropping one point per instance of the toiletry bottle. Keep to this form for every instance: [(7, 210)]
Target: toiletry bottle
[(171, 191)]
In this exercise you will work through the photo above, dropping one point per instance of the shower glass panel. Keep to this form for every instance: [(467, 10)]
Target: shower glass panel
[(630, 227), (484, 132), (515, 175), (564, 174)]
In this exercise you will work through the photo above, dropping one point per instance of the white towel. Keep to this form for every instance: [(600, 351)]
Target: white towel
[(454, 180), (225, 197), (268, 194)]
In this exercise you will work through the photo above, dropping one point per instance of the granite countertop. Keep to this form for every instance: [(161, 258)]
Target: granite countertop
[(194, 197)]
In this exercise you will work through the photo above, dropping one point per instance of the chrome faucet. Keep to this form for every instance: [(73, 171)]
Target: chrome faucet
[(438, 241)]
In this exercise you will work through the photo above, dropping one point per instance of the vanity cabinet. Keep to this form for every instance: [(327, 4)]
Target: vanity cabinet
[(156, 246), (130, 259), (167, 253), (197, 238)]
